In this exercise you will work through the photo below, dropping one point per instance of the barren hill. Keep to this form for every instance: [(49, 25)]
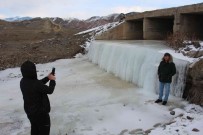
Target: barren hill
[(45, 39)]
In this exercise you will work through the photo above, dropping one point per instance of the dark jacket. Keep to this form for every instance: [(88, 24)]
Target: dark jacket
[(35, 91), (166, 71)]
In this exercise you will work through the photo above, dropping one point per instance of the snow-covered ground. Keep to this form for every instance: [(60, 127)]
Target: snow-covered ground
[(187, 121), (89, 101)]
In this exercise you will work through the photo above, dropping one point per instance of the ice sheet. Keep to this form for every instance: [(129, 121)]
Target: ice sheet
[(87, 100)]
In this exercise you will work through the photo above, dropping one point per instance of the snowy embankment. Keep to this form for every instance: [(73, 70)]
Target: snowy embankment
[(188, 53), (96, 31), (100, 29)]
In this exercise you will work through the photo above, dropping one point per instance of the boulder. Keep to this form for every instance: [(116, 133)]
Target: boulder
[(192, 53), (194, 83)]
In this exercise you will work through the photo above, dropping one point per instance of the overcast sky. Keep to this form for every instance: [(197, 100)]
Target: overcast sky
[(82, 9)]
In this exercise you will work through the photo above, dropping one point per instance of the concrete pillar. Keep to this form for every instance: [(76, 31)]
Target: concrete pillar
[(177, 23), (146, 29)]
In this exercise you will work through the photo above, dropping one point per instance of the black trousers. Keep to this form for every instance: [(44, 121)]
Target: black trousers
[(40, 124)]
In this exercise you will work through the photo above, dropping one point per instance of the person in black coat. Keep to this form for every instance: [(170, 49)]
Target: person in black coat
[(166, 71), (36, 101)]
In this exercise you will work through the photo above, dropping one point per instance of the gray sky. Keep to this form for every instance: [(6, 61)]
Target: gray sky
[(82, 9)]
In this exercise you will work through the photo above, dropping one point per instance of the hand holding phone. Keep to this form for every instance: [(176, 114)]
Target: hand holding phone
[(53, 71), (51, 76)]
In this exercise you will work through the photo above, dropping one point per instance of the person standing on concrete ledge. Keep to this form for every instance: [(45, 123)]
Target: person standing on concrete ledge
[(166, 71)]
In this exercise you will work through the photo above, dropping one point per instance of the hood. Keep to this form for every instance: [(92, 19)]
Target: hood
[(170, 56), (28, 70)]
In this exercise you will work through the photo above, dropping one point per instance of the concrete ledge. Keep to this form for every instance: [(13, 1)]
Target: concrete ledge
[(155, 25)]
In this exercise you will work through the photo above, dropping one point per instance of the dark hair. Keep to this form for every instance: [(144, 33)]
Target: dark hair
[(170, 57), (167, 54)]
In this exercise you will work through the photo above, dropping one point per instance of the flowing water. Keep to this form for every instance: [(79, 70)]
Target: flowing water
[(136, 62)]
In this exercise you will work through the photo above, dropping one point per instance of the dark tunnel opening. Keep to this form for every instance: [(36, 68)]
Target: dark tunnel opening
[(192, 24), (158, 28)]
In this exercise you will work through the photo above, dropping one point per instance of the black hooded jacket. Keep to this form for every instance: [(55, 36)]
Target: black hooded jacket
[(166, 71), (35, 91)]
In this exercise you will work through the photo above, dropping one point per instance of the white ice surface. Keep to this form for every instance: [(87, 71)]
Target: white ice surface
[(137, 62), (87, 101)]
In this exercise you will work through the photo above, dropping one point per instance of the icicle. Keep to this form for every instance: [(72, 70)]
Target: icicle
[(136, 62)]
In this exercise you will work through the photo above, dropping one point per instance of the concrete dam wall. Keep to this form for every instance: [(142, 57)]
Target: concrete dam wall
[(155, 25)]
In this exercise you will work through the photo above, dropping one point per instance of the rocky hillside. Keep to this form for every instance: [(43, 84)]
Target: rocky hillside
[(45, 39), (45, 28), (34, 29)]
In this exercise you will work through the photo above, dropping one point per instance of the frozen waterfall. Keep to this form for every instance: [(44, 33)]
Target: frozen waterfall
[(136, 62)]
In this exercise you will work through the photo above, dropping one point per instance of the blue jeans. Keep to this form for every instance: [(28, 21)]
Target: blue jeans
[(161, 90)]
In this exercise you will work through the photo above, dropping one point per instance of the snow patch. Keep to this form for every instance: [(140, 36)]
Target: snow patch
[(100, 29), (177, 55), (79, 55)]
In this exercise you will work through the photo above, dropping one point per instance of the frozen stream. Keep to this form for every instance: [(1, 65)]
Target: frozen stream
[(87, 101), (137, 62)]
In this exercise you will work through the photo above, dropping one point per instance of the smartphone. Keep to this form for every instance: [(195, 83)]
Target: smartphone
[(53, 71)]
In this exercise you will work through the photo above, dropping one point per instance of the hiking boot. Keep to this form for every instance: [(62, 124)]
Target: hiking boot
[(164, 103), (158, 101)]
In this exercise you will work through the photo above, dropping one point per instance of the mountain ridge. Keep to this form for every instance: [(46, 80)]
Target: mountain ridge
[(17, 19), (42, 40)]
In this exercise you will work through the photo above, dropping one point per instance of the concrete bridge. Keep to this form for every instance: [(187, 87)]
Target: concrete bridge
[(155, 25)]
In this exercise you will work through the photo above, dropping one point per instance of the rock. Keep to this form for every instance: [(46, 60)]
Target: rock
[(180, 115), (195, 130), (172, 112), (196, 44), (157, 125), (187, 49), (123, 132), (148, 131), (191, 54), (194, 83), (194, 54), (136, 131), (169, 123), (189, 118), (199, 54)]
